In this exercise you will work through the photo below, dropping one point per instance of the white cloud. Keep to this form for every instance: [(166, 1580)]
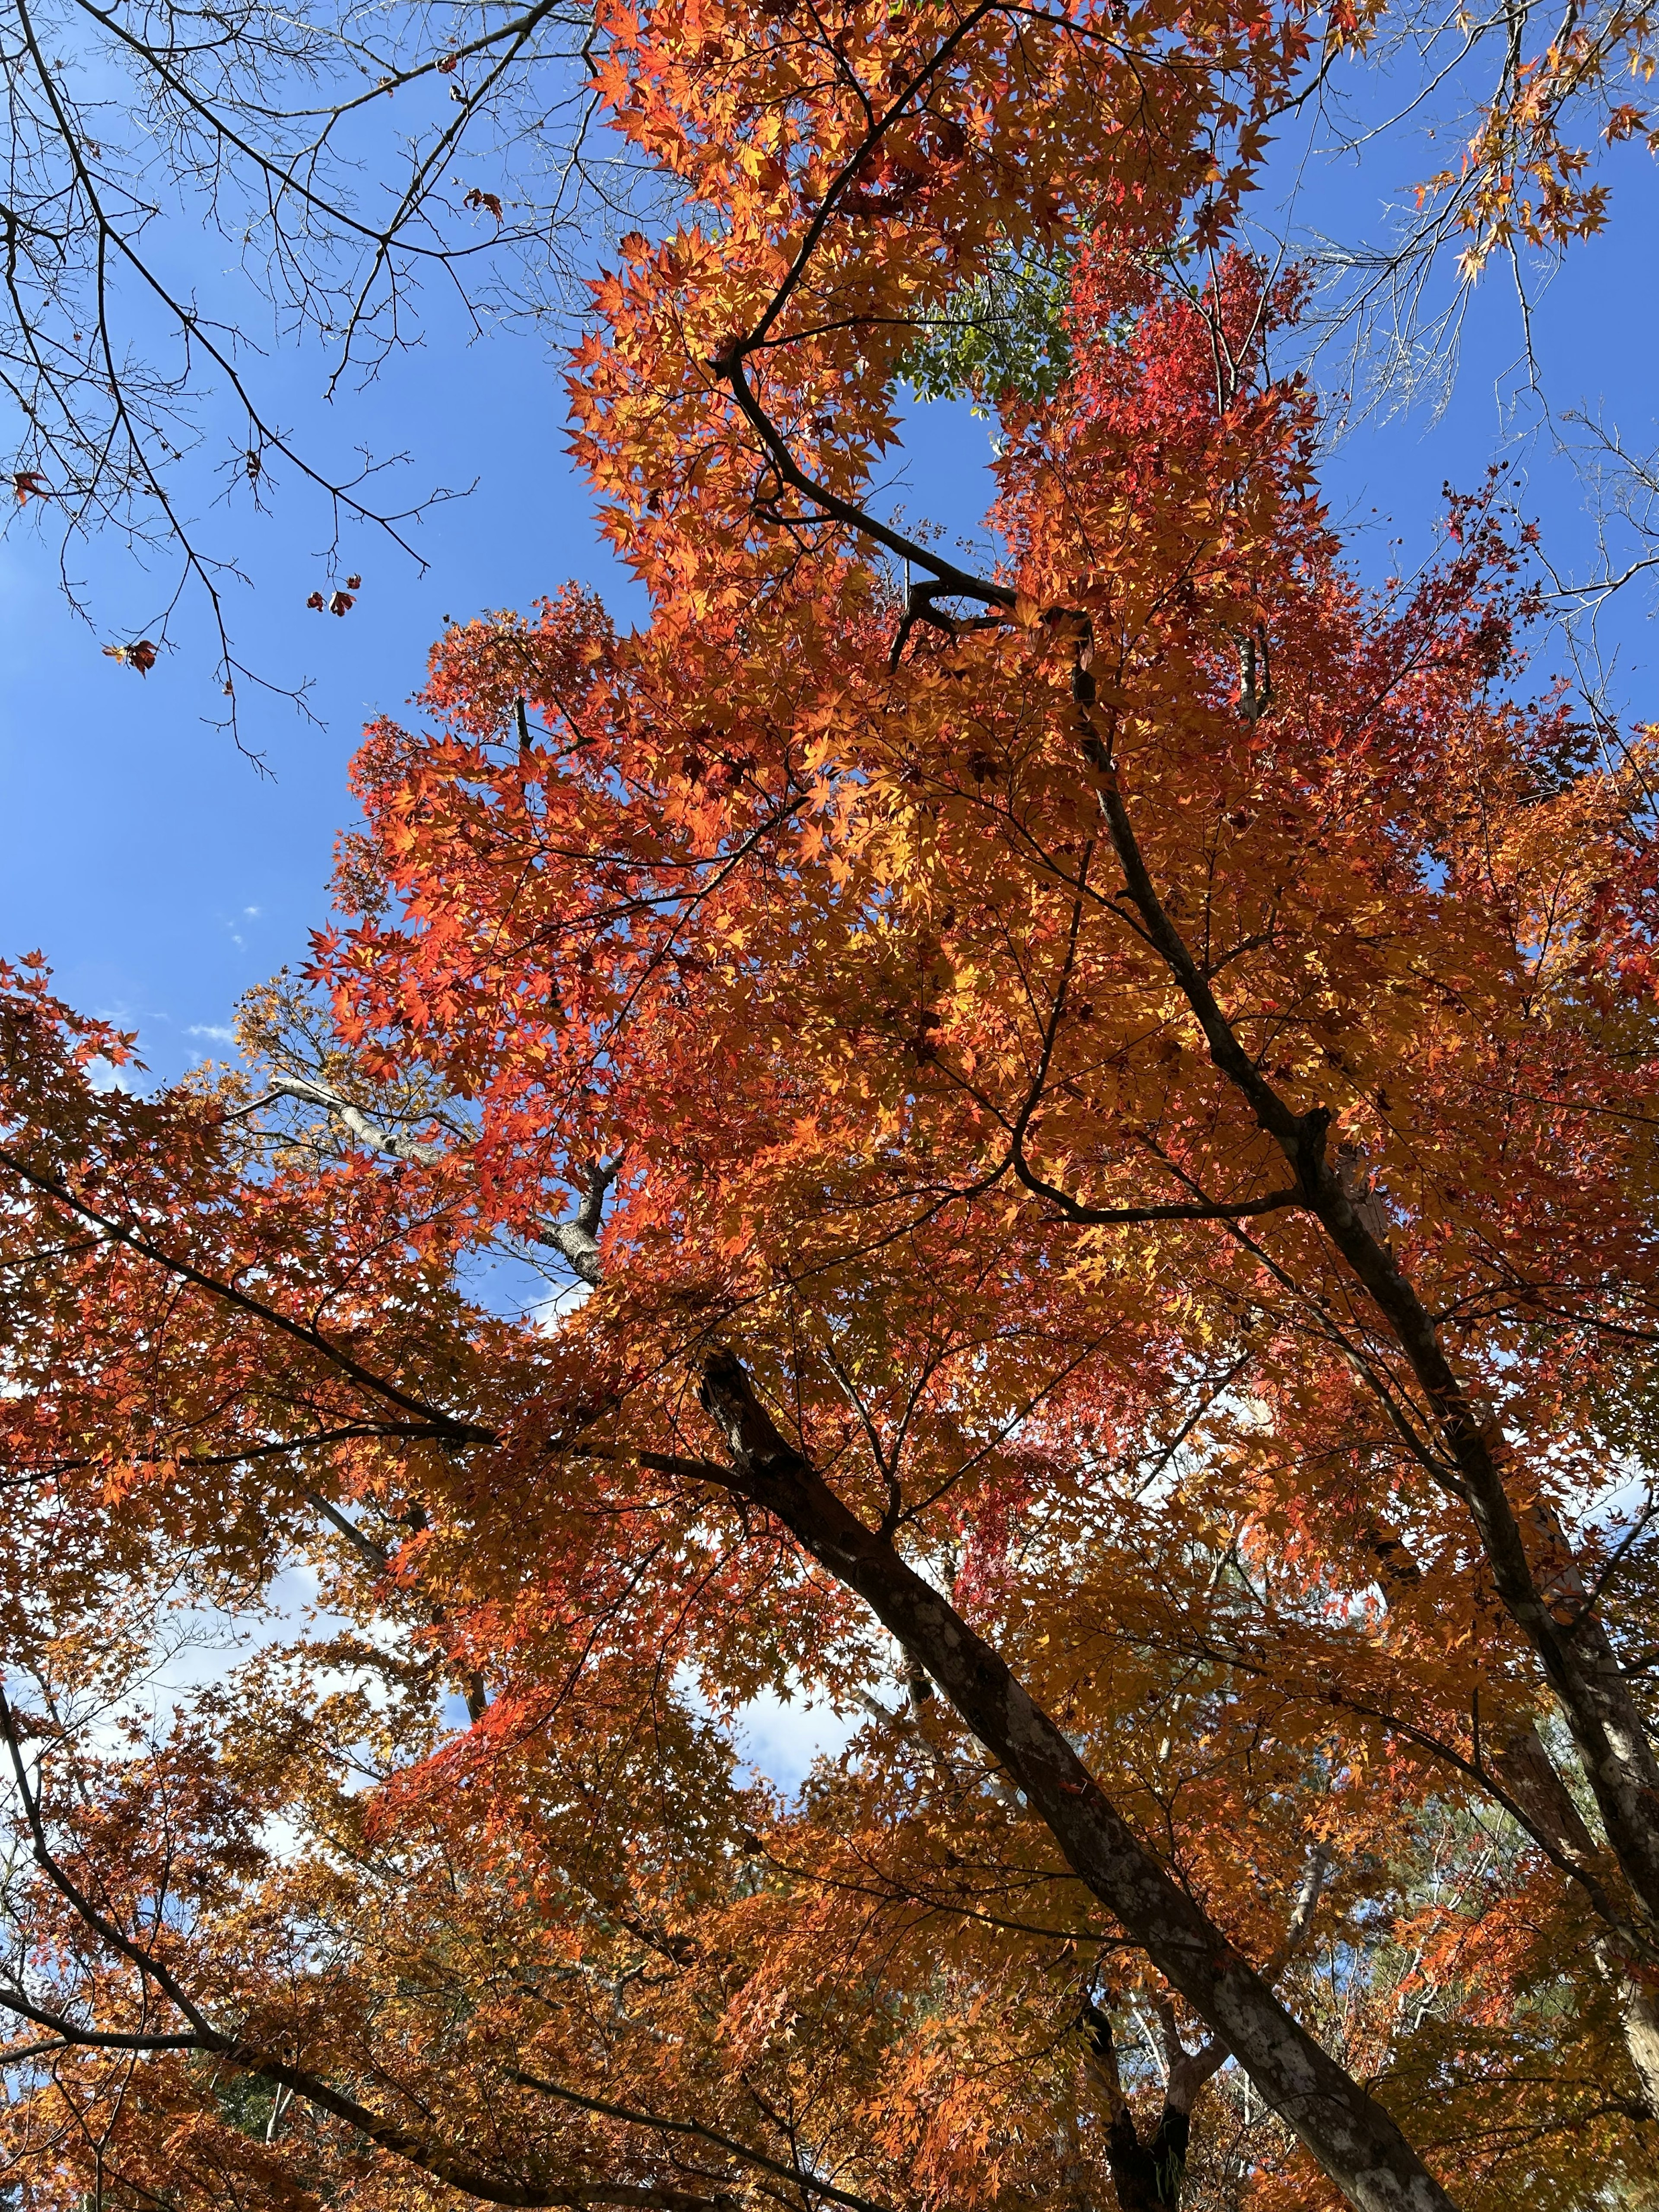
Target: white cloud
[(777, 1736), (781, 1741), (214, 1029)]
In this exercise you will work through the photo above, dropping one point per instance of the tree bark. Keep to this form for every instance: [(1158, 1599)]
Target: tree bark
[(1146, 2177), (1353, 2139), (1564, 1629)]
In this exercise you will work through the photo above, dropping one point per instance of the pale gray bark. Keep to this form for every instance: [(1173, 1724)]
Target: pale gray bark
[(577, 1239)]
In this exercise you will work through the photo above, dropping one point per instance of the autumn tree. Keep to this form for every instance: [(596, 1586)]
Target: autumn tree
[(352, 168), (1073, 1133)]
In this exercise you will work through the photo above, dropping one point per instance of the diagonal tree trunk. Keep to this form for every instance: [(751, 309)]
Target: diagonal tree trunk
[(1356, 2142)]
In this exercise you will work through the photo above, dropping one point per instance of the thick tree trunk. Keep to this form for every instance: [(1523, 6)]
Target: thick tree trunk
[(1642, 2037), (1148, 2177), (1639, 2013), (1355, 2140)]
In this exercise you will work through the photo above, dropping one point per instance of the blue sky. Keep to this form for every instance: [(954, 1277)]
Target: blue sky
[(162, 874)]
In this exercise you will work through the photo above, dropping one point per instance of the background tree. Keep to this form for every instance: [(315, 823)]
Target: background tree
[(345, 161)]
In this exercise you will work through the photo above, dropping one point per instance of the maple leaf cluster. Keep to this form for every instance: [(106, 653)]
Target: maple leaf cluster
[(1079, 1139)]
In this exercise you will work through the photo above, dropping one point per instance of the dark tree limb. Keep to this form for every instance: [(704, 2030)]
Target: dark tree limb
[(1356, 2142), (1571, 1642)]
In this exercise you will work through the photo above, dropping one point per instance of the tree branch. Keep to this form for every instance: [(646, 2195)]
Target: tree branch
[(1356, 2142)]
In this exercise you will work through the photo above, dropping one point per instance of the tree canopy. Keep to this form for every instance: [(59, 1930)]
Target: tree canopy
[(364, 180), (1079, 1124)]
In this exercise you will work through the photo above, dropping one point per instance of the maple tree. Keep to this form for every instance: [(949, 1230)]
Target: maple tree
[(1097, 1106), (342, 165)]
